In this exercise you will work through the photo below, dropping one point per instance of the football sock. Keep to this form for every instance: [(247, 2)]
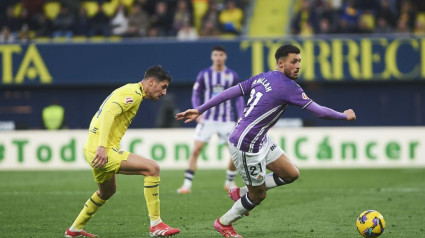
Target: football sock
[(188, 177), (90, 207), (238, 210), (273, 180), (243, 191), (230, 175), (151, 191)]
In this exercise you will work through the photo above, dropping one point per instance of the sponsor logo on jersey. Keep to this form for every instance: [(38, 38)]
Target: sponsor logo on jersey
[(304, 96), (129, 100)]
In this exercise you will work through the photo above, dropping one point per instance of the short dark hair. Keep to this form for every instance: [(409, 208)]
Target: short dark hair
[(285, 50), (157, 72), (219, 48)]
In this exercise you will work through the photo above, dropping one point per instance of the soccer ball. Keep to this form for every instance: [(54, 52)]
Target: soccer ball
[(370, 223)]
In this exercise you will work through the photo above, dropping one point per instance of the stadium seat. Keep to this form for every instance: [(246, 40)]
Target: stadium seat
[(269, 18), (109, 8), (91, 8), (127, 3), (17, 8), (51, 9), (200, 7)]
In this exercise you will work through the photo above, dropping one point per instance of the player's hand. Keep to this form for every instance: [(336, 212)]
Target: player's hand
[(351, 116), (100, 158), (189, 115)]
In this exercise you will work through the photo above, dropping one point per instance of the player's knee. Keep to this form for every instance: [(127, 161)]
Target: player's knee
[(196, 152), (294, 175), (153, 170), (258, 196), (105, 195)]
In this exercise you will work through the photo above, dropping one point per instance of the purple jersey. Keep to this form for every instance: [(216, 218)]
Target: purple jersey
[(208, 84), (270, 93)]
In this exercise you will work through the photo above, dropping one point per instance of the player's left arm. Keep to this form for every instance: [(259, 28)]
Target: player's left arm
[(299, 98), (328, 113)]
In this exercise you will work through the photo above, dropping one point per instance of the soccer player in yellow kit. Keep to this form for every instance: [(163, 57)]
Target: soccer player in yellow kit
[(101, 151)]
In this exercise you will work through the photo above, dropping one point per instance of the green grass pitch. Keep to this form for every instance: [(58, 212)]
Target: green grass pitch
[(322, 203)]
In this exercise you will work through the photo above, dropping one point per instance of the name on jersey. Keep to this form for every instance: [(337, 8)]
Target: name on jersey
[(264, 82)]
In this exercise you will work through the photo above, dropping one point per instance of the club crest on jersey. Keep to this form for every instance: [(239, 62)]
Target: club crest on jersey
[(304, 96), (129, 100), (260, 178)]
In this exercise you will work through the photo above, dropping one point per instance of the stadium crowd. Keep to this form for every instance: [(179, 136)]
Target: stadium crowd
[(185, 19), (359, 17), (22, 20)]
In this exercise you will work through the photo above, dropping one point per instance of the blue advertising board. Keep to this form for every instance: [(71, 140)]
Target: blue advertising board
[(338, 59)]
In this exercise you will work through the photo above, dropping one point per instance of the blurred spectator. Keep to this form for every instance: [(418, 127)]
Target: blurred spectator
[(24, 34), (402, 27), (10, 21), (99, 24), (386, 13), (420, 26), (162, 20), (305, 21), (44, 26), (138, 22), (407, 16), (382, 26), (366, 22), (231, 18), (25, 21), (209, 29), (328, 18), (187, 32), (34, 7), (6, 36), (167, 111), (72, 5), (119, 22), (210, 22), (349, 18), (82, 23), (63, 23), (324, 26), (182, 16)]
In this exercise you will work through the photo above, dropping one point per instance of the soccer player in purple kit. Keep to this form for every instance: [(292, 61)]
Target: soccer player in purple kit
[(218, 120), (251, 149)]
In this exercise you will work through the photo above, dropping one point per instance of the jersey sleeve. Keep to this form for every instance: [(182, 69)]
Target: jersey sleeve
[(296, 96), (198, 89), (245, 86), (125, 100)]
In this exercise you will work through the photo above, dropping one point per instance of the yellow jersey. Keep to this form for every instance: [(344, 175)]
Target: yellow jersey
[(111, 121)]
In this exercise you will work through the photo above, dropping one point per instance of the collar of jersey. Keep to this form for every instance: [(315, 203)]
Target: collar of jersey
[(141, 90)]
